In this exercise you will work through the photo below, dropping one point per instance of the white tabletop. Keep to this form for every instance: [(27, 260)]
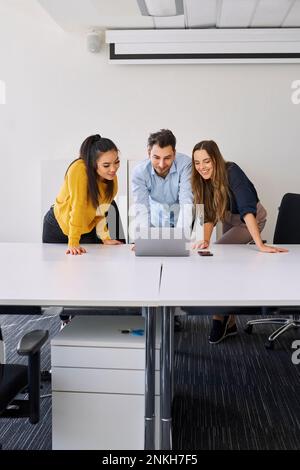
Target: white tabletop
[(237, 275), (37, 274)]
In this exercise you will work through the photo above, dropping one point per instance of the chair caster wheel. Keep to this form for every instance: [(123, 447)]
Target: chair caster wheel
[(45, 376), (248, 329), (269, 345)]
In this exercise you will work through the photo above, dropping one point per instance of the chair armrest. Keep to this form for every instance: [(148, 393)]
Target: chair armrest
[(32, 342)]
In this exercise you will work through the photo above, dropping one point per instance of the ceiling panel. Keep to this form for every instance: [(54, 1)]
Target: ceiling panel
[(82, 15), (236, 13), (271, 13), (200, 13), (167, 22), (116, 7), (69, 11), (293, 17)]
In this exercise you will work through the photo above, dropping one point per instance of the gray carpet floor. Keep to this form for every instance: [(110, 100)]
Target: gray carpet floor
[(234, 395)]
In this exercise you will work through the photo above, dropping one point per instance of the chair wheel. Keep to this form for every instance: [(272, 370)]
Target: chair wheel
[(45, 376), (269, 345), (248, 329)]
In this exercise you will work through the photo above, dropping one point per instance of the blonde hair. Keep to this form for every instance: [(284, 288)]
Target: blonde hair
[(213, 193)]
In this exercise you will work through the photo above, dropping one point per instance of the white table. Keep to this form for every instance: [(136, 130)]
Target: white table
[(236, 276), (36, 274)]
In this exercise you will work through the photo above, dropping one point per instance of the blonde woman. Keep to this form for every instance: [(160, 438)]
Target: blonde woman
[(228, 196)]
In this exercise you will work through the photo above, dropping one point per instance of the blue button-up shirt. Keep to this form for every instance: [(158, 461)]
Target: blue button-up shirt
[(163, 202)]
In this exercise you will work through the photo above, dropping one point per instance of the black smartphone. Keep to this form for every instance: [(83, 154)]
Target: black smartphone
[(205, 253)]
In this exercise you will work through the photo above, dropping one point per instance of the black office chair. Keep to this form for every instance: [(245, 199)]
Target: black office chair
[(14, 378), (287, 231), (114, 223)]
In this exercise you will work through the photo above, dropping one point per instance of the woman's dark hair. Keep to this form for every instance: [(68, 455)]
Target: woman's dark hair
[(163, 138), (91, 148), (213, 193)]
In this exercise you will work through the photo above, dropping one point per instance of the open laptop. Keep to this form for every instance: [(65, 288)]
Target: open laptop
[(164, 241)]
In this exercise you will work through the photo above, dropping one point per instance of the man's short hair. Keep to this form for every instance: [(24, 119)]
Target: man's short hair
[(163, 138)]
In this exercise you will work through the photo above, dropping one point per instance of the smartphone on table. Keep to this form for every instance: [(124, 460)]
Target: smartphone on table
[(205, 253)]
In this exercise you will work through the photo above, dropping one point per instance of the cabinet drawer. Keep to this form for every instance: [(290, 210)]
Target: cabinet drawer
[(100, 380), (102, 358), (99, 421)]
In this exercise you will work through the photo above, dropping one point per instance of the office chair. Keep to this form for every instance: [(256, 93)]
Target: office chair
[(14, 378), (114, 223), (287, 231)]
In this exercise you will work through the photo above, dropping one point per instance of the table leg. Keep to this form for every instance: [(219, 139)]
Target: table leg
[(172, 319), (2, 349), (150, 330), (166, 379)]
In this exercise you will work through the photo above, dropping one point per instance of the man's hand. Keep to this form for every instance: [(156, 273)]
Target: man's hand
[(112, 242)]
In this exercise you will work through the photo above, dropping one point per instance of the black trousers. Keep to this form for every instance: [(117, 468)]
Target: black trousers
[(52, 233)]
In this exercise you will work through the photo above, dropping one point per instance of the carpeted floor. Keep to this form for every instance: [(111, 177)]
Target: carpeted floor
[(234, 395)]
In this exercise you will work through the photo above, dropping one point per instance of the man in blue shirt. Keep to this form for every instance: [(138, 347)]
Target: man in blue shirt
[(161, 185)]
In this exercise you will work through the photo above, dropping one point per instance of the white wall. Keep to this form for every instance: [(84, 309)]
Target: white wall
[(57, 93)]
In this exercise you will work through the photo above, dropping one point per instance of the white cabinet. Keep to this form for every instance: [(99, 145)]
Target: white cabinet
[(98, 384)]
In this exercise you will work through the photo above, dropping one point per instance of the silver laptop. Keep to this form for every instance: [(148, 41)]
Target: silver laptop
[(161, 242)]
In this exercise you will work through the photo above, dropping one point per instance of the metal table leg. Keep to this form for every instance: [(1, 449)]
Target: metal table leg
[(150, 330), (166, 379), (2, 349)]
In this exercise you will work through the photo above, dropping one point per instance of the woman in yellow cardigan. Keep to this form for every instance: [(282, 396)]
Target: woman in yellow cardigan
[(89, 187)]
